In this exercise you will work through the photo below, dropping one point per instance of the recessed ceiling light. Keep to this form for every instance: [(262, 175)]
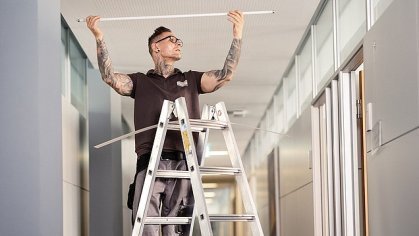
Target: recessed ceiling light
[(216, 153)]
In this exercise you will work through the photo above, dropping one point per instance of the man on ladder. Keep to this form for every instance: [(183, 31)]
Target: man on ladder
[(149, 90)]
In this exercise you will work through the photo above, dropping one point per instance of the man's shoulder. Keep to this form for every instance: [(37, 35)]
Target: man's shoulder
[(193, 73), (190, 74), (137, 75)]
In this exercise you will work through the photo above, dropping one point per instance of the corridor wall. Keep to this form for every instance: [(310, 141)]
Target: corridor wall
[(391, 51)]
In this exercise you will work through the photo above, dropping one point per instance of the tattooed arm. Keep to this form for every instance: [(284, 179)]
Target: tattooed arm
[(121, 83), (215, 79)]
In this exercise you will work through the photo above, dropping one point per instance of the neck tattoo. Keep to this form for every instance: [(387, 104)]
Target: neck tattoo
[(164, 69)]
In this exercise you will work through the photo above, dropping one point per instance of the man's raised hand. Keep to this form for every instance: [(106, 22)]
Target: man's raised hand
[(92, 24), (236, 17)]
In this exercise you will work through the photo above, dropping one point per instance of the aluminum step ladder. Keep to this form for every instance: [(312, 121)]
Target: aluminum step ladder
[(213, 117)]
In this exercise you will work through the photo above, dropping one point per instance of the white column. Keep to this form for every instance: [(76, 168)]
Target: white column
[(30, 121)]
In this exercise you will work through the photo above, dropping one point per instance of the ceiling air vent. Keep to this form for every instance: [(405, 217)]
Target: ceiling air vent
[(237, 113)]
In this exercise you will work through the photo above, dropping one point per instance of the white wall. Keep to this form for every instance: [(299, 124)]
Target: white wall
[(296, 181), (129, 161), (75, 172)]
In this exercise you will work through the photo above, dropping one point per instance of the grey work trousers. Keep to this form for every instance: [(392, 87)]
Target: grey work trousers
[(169, 194)]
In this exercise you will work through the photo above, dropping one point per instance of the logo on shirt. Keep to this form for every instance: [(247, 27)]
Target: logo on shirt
[(182, 83)]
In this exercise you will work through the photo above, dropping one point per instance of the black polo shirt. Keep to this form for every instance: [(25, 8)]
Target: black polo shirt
[(149, 91)]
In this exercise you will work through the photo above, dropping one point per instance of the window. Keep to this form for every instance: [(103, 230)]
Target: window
[(73, 71), (280, 113), (352, 25), (78, 77), (291, 96), (64, 60), (324, 46), (379, 6), (305, 74)]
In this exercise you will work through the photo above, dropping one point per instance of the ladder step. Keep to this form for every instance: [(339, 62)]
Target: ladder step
[(232, 217), (182, 174), (220, 170), (168, 220), (188, 220), (198, 125), (212, 124)]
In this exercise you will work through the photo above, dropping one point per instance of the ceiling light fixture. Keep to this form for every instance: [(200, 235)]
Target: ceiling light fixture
[(209, 194), (238, 113), (216, 153), (209, 185), (177, 16)]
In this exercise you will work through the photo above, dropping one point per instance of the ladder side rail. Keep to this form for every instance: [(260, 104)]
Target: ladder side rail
[(153, 165), (193, 167), (200, 149), (203, 136), (236, 162)]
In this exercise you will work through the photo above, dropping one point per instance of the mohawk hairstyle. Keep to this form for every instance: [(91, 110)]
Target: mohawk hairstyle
[(156, 33)]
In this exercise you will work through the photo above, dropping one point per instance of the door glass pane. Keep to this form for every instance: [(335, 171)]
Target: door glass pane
[(324, 46), (352, 25)]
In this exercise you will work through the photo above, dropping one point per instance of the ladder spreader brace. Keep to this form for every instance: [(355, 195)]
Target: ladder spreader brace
[(213, 117)]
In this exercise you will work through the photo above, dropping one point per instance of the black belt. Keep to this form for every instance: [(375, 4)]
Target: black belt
[(143, 160), (174, 156)]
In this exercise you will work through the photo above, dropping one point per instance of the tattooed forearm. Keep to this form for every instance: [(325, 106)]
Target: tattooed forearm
[(226, 74), (105, 64), (120, 82)]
